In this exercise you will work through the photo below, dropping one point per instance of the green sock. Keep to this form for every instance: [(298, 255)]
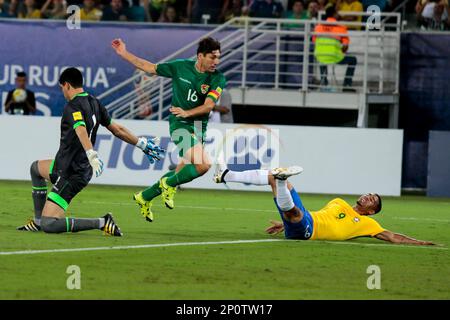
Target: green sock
[(188, 173), (154, 191)]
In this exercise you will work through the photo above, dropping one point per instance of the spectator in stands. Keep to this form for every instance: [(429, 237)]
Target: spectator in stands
[(29, 10), (157, 7), (331, 49), (353, 6), (114, 12), (432, 14), (169, 15), (4, 9), (139, 11), (298, 11), (235, 10), (54, 9), (20, 100), (313, 9), (89, 12), (216, 9), (266, 9)]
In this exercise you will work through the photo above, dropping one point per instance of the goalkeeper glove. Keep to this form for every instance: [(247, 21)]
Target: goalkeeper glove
[(95, 162), (150, 148)]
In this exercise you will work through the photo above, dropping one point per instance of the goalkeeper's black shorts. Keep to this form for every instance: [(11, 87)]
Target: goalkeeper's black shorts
[(65, 188)]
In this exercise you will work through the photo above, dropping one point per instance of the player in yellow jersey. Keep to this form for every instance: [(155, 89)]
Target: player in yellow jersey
[(338, 220)]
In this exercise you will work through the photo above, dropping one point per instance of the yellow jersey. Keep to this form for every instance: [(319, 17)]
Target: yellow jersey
[(339, 221), (35, 14), (93, 15), (354, 7)]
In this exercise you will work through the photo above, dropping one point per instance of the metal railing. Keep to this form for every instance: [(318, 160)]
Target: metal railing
[(275, 54)]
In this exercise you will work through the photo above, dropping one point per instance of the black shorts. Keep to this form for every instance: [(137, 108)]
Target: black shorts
[(65, 188)]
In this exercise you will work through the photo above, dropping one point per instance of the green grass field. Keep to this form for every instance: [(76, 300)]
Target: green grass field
[(260, 270)]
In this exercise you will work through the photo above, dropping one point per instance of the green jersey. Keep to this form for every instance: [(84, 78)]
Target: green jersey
[(190, 88)]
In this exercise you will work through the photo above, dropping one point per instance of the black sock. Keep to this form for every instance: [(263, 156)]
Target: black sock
[(39, 192), (55, 225)]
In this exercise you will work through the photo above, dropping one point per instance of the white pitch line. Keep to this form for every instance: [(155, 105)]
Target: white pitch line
[(179, 244), (143, 246)]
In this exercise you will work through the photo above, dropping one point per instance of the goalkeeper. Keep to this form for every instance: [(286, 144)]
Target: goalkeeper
[(76, 161)]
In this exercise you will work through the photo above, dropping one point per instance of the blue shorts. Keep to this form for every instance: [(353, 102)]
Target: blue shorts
[(302, 230)]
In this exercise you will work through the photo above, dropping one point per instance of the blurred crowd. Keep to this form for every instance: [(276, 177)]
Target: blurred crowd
[(186, 11)]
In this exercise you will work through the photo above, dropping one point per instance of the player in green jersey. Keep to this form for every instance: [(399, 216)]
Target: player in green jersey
[(196, 88)]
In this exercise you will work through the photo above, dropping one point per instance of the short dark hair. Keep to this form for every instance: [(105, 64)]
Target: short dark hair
[(208, 45), (330, 12), (21, 74), (378, 208), (72, 76)]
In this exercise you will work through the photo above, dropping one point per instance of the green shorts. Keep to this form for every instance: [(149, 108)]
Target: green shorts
[(185, 135)]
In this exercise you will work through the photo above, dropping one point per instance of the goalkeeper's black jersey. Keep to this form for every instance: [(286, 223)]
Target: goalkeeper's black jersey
[(83, 110)]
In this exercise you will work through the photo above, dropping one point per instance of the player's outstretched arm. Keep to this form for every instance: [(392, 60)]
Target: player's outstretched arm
[(139, 63), (94, 161), (149, 147), (401, 239), (122, 133), (195, 112)]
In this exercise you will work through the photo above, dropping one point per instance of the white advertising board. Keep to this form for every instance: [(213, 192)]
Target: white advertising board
[(335, 160)]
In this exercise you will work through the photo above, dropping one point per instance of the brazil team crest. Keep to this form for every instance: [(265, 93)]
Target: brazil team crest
[(204, 88)]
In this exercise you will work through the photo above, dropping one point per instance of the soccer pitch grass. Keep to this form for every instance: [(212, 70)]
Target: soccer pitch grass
[(253, 270)]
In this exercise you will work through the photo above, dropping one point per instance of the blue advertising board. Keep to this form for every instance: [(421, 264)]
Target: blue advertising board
[(44, 48)]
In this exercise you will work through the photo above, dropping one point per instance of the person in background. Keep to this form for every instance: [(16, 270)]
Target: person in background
[(353, 6), (57, 10), (234, 11), (266, 9), (20, 100), (114, 12), (313, 10), (89, 12), (169, 15), (28, 10), (4, 9), (139, 11), (157, 7), (216, 9), (331, 46), (298, 12)]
